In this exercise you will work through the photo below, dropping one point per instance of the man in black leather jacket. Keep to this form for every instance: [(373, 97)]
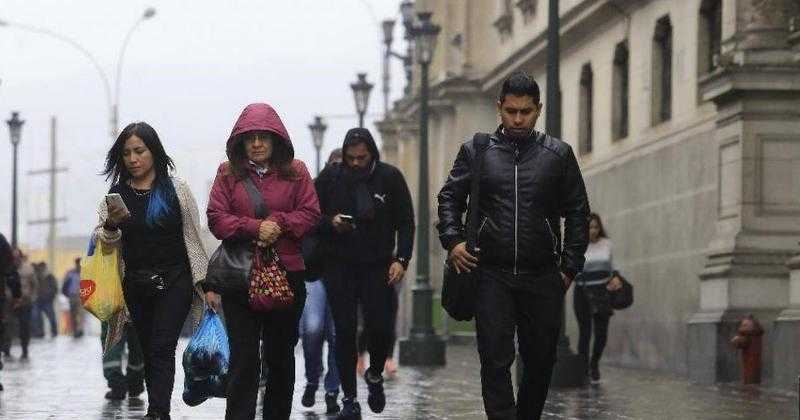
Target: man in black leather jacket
[(529, 182)]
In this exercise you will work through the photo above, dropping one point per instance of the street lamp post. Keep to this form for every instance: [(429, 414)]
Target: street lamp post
[(407, 14), (112, 98), (361, 89), (423, 347), (570, 369), (317, 128), (15, 128)]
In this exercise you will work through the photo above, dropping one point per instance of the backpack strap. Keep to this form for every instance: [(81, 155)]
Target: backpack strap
[(259, 204), (480, 143)]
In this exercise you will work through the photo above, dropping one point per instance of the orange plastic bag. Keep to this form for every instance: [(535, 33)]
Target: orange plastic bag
[(101, 282)]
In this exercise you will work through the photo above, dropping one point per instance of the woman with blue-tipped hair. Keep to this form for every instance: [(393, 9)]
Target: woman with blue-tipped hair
[(152, 217)]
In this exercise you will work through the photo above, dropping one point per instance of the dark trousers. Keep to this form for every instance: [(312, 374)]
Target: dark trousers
[(44, 307), (587, 318), (158, 321), (133, 378), (534, 313), (279, 331), (24, 317), (350, 285), (362, 333)]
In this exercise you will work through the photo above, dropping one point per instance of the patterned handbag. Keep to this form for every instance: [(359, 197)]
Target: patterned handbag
[(269, 284)]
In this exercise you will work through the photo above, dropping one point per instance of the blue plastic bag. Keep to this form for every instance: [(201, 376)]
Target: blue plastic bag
[(206, 361)]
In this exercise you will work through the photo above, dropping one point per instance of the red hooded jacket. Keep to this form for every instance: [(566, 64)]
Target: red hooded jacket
[(292, 204)]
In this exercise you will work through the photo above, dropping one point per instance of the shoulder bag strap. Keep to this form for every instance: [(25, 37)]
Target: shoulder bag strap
[(259, 204), (480, 142)]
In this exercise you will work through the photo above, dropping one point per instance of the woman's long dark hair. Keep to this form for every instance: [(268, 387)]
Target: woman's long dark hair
[(162, 194), (596, 218), (280, 159)]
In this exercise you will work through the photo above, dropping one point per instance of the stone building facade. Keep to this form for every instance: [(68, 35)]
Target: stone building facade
[(685, 116)]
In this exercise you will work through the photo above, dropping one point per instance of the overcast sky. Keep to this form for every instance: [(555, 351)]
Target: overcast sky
[(189, 71)]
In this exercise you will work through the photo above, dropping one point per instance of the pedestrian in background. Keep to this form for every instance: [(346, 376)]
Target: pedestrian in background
[(130, 381), (368, 228), (46, 291), (260, 153), (316, 323), (590, 297), (9, 279), (157, 231), (529, 182), (71, 289), (23, 306)]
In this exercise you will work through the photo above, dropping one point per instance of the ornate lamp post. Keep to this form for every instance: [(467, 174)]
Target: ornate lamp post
[(317, 128), (423, 347), (15, 128), (361, 89)]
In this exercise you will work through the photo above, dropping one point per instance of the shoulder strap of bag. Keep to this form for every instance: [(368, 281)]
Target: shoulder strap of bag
[(259, 204), (480, 142)]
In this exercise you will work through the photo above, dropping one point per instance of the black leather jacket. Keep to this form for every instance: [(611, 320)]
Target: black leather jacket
[(527, 186)]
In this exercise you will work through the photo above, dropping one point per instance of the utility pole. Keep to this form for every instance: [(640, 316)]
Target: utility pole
[(52, 220)]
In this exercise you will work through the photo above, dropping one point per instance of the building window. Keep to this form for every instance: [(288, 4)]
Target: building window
[(662, 71), (709, 35), (619, 90), (585, 110), (505, 21)]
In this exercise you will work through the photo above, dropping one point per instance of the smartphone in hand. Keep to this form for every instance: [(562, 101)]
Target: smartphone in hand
[(115, 200)]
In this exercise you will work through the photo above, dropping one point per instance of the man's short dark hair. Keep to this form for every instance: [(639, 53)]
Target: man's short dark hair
[(520, 84)]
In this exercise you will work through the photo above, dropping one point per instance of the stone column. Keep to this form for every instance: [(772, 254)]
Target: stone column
[(757, 93), (787, 333)]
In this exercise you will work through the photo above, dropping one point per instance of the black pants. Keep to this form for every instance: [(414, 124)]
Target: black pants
[(362, 332), (279, 331), (534, 313), (158, 321), (589, 317), (349, 285), (24, 317)]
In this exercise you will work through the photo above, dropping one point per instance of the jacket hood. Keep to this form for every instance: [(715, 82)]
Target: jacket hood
[(357, 135), (260, 117)]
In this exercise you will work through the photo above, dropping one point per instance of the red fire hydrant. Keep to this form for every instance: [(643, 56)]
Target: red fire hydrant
[(748, 340)]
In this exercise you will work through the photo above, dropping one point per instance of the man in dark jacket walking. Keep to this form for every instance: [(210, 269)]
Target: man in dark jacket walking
[(367, 215), (529, 181), (47, 291)]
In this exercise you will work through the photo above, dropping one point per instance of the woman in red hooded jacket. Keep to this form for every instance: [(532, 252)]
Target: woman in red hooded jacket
[(259, 148)]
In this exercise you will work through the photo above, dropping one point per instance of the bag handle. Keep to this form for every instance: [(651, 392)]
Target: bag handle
[(259, 204), (480, 142)]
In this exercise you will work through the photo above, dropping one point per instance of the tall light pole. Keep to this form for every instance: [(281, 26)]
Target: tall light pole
[(15, 128), (112, 98), (407, 14), (361, 89), (423, 347), (317, 128), (570, 369)]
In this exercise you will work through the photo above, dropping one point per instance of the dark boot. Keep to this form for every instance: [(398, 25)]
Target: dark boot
[(376, 399), (351, 410), (116, 394), (309, 396), (331, 404)]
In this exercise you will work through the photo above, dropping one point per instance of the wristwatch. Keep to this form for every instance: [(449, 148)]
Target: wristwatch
[(403, 261)]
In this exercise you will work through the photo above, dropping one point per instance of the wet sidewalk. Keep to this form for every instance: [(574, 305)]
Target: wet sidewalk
[(63, 380)]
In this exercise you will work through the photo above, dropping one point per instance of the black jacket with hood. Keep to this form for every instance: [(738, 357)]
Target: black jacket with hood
[(527, 186), (379, 201)]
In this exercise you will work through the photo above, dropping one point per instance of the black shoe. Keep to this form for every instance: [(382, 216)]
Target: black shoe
[(331, 403), (135, 391), (116, 394), (376, 399), (309, 396), (594, 375), (1, 387), (156, 416), (351, 410)]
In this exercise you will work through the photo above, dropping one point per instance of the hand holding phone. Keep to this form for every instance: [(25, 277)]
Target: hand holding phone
[(117, 210), (343, 223)]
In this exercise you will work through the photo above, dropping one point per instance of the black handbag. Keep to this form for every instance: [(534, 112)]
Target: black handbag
[(460, 290), (621, 298), (229, 266)]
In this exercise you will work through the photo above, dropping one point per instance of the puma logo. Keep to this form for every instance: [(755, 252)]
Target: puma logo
[(382, 198)]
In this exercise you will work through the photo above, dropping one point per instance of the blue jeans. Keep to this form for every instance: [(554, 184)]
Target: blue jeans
[(316, 324)]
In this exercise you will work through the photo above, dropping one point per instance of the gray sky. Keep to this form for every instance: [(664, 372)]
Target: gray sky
[(189, 71)]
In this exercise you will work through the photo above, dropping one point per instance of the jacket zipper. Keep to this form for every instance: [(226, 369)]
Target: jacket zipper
[(480, 229), (553, 238), (516, 208)]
